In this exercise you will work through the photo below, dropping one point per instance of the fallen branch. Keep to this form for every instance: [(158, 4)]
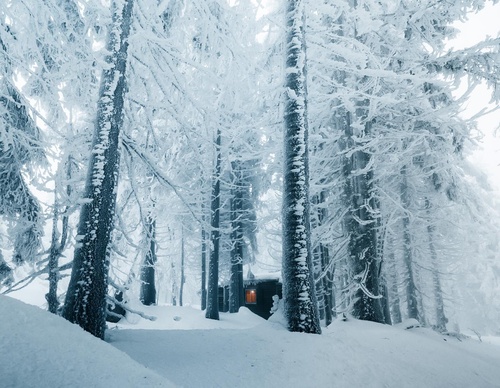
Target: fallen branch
[(128, 309)]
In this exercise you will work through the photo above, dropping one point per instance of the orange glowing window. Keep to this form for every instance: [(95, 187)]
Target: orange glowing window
[(250, 296)]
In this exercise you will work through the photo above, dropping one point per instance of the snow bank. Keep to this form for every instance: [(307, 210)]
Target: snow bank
[(185, 318), (264, 354), (38, 349), (241, 350)]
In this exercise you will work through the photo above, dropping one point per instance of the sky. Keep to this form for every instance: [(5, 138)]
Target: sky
[(487, 158)]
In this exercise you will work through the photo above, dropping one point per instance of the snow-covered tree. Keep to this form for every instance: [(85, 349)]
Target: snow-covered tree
[(85, 302), (301, 309)]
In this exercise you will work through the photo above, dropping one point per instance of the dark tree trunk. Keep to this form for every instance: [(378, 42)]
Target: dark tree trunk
[(213, 267), (57, 247), (317, 255), (203, 262), (324, 269), (236, 281), (386, 306), (181, 288), (300, 303), (6, 277), (148, 288), (328, 269), (361, 226), (86, 296), (327, 280)]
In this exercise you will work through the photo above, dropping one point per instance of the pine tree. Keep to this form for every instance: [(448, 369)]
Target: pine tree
[(148, 289), (20, 145), (301, 308), (213, 265), (86, 296)]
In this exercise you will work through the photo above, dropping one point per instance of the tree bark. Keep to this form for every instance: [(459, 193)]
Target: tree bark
[(203, 261), (361, 226), (300, 303), (57, 246), (236, 280), (213, 267), (86, 296), (148, 288)]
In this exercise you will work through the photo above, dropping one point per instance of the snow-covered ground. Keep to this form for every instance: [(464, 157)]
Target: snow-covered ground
[(183, 348)]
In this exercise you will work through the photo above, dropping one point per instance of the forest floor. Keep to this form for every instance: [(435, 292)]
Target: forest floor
[(182, 348)]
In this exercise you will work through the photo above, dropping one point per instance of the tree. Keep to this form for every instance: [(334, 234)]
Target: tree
[(203, 262), (85, 302), (20, 144), (58, 240), (148, 289), (301, 308), (213, 265), (344, 126), (39, 50)]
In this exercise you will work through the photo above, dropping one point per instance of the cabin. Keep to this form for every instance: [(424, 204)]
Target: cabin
[(258, 295)]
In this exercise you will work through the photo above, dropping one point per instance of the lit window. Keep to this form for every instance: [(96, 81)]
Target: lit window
[(250, 296)]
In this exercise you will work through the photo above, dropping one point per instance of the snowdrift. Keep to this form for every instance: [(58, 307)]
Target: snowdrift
[(39, 349), (243, 350), (181, 347)]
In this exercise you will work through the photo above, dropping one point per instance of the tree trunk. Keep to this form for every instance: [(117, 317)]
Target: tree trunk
[(203, 261), (361, 226), (386, 306), (86, 297), (317, 255), (328, 269), (213, 267), (301, 308), (181, 288), (58, 244), (148, 289), (392, 275), (327, 280), (173, 276), (6, 277), (411, 289), (441, 319), (236, 281)]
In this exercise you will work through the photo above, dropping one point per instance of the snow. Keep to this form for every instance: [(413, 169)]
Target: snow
[(241, 350), (39, 349)]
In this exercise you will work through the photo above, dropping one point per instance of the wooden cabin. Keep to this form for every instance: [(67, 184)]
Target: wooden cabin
[(258, 295)]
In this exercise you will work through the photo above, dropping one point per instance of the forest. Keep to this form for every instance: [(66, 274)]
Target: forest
[(164, 150)]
